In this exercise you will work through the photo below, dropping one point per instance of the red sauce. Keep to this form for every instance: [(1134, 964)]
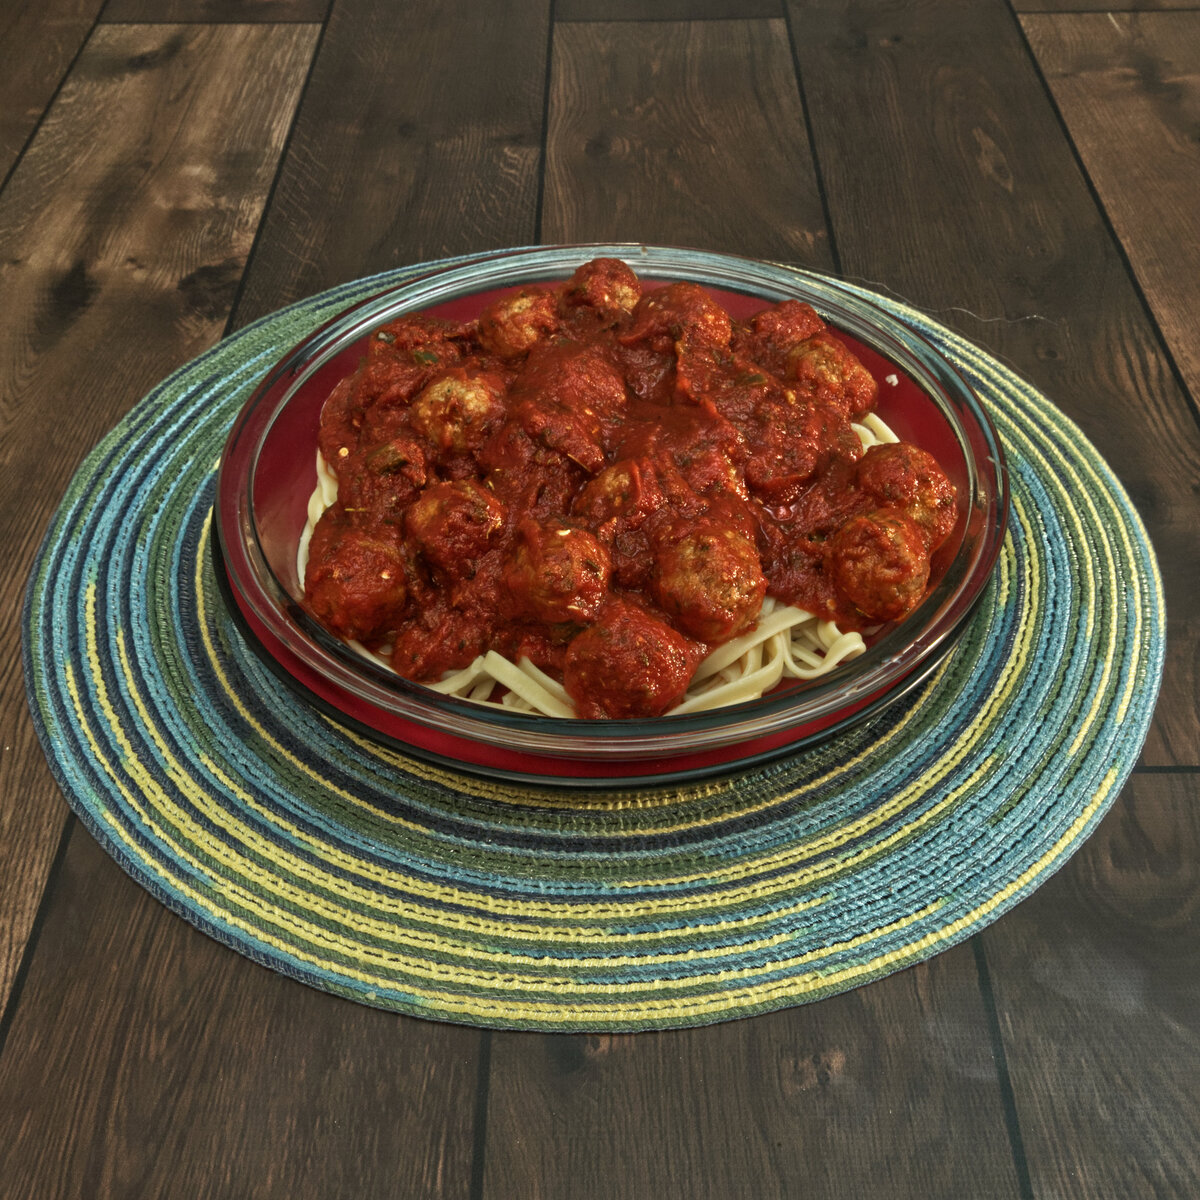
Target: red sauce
[(610, 482)]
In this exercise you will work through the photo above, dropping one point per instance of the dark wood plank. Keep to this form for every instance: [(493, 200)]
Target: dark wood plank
[(1128, 87), (434, 151), (38, 41), (1093, 6), (653, 133), (1103, 963), (215, 12), (986, 220), (117, 265), (147, 1060), (952, 184), (655, 130), (859, 1095), (666, 10)]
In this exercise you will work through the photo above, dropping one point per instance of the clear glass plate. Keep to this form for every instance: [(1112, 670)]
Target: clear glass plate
[(268, 473)]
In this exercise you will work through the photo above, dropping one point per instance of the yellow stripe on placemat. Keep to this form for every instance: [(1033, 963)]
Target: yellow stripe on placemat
[(255, 843), (826, 844), (245, 836), (287, 920)]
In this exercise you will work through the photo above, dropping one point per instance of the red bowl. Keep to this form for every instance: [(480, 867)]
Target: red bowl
[(268, 473)]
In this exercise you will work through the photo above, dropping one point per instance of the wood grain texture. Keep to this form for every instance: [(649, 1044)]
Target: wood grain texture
[(434, 151), (666, 10), (806, 1102), (122, 237), (1128, 87), (38, 41), (215, 12), (147, 1060), (1081, 6), (951, 184), (1097, 978), (654, 130)]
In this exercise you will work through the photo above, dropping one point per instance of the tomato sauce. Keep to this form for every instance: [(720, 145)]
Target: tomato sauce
[(610, 482)]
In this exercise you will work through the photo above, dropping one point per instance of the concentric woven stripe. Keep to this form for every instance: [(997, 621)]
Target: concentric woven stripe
[(361, 871)]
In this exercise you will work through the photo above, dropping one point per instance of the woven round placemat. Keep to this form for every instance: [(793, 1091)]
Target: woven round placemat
[(312, 850)]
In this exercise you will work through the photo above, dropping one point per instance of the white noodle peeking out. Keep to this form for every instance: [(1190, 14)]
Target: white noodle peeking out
[(785, 642)]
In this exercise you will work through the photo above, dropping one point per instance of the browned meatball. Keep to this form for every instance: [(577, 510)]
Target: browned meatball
[(768, 336), (451, 524), (628, 664), (557, 574), (580, 378), (710, 582), (879, 562), (627, 491), (459, 411), (903, 476), (384, 477), (680, 315), (355, 579), (606, 285), (827, 366), (789, 441), (441, 639), (511, 326)]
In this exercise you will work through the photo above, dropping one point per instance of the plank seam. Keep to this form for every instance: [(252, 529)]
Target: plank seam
[(818, 173), (1192, 402), (1008, 1100), (35, 929), (483, 1080), (83, 44), (539, 203), (285, 150)]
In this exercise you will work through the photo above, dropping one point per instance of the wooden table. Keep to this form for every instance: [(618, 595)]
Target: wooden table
[(174, 169)]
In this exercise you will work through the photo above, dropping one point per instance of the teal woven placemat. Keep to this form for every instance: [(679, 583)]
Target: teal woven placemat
[(358, 870)]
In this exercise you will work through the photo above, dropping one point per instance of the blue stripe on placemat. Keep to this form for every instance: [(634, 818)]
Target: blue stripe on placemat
[(345, 864)]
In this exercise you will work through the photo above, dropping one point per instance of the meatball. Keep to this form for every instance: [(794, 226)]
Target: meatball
[(575, 435), (768, 336), (511, 326), (451, 524), (680, 315), (710, 582), (707, 448), (825, 364), (790, 441), (415, 333), (527, 474), (355, 579), (557, 574), (625, 492), (628, 664), (903, 476), (879, 561), (383, 478), (441, 639), (607, 286), (565, 399), (580, 378), (405, 354), (459, 411)]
